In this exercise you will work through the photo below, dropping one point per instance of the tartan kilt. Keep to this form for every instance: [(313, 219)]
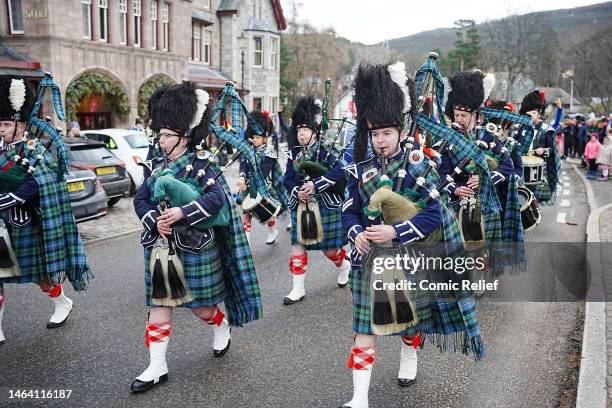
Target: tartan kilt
[(27, 243), (447, 318), (542, 191), (334, 235), (203, 273)]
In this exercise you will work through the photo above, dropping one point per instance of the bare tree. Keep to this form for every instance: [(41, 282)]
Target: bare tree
[(591, 59), (519, 45)]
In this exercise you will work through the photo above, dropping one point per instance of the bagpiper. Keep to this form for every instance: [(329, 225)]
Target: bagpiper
[(39, 240), (315, 183), (196, 252), (388, 213), (266, 211)]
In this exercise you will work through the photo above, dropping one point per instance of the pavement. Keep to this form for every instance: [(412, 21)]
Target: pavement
[(296, 355), (595, 383)]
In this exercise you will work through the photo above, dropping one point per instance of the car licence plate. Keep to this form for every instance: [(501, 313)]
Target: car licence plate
[(76, 186), (100, 171)]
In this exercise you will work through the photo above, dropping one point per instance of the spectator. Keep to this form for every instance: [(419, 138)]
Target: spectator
[(138, 125), (75, 129), (604, 157), (591, 151), (581, 139)]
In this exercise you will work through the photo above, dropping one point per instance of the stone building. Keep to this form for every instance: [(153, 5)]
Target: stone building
[(108, 56)]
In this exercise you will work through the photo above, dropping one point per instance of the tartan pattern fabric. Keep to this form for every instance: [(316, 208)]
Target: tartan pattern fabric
[(429, 66), (29, 251), (62, 255), (513, 234), (542, 191), (362, 358), (203, 274), (334, 236), (233, 136), (493, 226), (278, 189), (525, 139), (243, 302), (157, 333), (464, 147), (447, 318), (506, 115)]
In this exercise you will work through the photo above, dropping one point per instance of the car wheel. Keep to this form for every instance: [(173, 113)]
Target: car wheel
[(113, 201)]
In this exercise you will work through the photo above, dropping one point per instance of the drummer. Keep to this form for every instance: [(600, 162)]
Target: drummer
[(270, 168), (544, 146)]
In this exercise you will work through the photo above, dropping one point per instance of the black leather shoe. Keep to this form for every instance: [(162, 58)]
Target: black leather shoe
[(404, 382), (144, 386), (342, 285), (221, 353), (289, 301), (2, 342)]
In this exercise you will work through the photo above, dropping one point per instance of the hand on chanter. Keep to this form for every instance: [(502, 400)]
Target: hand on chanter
[(362, 244), (473, 182), (163, 228), (380, 233), (464, 192), (171, 215)]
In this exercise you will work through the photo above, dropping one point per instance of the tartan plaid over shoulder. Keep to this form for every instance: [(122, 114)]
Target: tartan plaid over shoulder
[(464, 147), (63, 255)]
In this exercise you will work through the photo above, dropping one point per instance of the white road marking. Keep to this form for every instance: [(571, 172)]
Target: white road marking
[(565, 203), (561, 217), (566, 192), (566, 178), (566, 184)]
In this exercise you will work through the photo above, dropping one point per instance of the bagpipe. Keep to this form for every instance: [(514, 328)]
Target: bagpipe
[(169, 287), (26, 161)]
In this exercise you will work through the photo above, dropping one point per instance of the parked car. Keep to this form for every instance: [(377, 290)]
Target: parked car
[(88, 154), (131, 146), (87, 196)]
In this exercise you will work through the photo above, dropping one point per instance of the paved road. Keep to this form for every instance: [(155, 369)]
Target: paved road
[(294, 357)]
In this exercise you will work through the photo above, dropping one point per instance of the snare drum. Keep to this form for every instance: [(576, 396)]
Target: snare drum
[(264, 209), (533, 172), (530, 213)]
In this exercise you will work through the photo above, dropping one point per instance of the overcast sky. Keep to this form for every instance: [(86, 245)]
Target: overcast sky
[(374, 21)]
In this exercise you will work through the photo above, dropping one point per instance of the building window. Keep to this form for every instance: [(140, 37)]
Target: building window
[(257, 103), (86, 4), (258, 52), (206, 3), (123, 22), (257, 8), (15, 16), (166, 26), (196, 43), (103, 11), (273, 53), (274, 105), (137, 29), (154, 24), (207, 38)]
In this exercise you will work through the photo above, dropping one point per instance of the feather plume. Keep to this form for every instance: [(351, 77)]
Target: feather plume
[(17, 94), (488, 83), (202, 102), (398, 75)]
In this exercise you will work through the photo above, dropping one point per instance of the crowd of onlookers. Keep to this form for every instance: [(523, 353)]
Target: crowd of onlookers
[(589, 139)]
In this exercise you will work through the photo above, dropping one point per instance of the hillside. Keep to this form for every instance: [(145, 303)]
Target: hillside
[(567, 23)]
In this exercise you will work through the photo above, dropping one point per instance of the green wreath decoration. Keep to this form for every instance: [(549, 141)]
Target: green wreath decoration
[(95, 83), (145, 92)]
